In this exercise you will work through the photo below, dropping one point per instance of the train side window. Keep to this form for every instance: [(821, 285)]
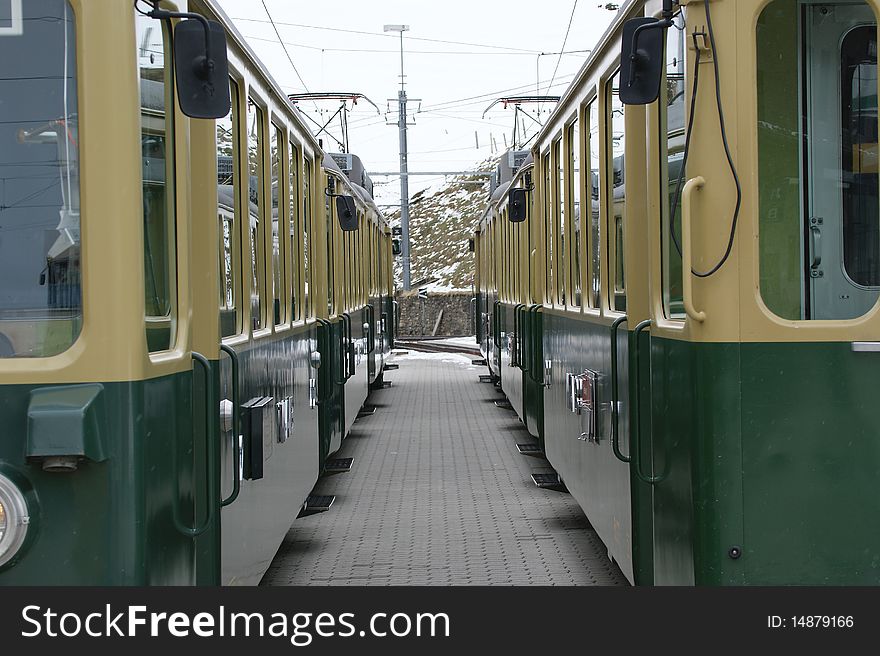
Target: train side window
[(596, 177), (307, 247), (256, 206), (158, 167), (41, 310), (548, 227), (559, 222), (294, 230), (227, 213), (573, 162), (617, 196), (279, 220), (672, 125), (818, 172)]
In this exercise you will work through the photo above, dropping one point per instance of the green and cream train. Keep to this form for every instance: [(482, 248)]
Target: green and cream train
[(192, 311), (679, 294)]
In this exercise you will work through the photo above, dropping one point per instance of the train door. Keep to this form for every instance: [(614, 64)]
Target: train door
[(841, 231)]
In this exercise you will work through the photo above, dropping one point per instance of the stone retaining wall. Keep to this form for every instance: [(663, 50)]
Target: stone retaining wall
[(418, 316)]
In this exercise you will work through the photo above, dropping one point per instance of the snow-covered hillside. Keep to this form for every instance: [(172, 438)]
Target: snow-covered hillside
[(442, 220)]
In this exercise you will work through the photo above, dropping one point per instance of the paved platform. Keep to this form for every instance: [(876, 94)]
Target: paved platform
[(439, 495)]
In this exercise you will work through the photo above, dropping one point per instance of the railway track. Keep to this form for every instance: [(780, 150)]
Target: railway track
[(436, 346)]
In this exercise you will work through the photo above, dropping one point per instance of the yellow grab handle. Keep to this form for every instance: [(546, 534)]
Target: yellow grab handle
[(694, 184)]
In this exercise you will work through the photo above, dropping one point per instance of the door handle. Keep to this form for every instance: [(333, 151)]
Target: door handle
[(692, 185), (815, 245), (236, 429)]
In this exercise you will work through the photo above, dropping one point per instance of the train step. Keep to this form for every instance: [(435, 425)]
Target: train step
[(530, 450), (316, 503), (504, 404), (338, 465), (386, 384), (481, 362), (549, 482), (390, 367), (486, 378), (366, 411)]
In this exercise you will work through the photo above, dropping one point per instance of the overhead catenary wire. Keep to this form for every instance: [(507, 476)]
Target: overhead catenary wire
[(383, 35), (307, 46), (564, 41), (284, 46)]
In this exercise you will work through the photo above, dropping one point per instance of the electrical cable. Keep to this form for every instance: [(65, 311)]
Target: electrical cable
[(735, 219)]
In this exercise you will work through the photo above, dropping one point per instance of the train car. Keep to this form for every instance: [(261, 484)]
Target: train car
[(707, 367), (167, 316), (508, 322), (359, 336)]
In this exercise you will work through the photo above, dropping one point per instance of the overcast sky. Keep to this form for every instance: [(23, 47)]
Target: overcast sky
[(496, 52)]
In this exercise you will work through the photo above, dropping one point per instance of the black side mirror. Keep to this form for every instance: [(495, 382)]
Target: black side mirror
[(516, 205), (395, 247), (641, 60), (201, 68), (346, 211)]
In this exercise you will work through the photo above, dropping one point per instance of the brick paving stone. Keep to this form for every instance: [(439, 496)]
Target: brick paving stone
[(439, 495)]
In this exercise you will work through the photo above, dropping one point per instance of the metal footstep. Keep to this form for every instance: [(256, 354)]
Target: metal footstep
[(486, 378), (366, 411), (481, 362), (316, 503), (387, 383), (530, 450), (390, 367), (549, 482), (338, 465), (504, 405)]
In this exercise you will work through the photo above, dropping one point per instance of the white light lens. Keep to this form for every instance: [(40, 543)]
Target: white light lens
[(14, 520)]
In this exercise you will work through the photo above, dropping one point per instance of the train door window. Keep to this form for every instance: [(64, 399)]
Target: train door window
[(279, 251), (227, 213), (307, 246), (594, 144), (573, 144), (40, 279), (548, 228), (505, 256), (616, 196), (559, 222), (349, 275), (294, 231), (332, 257), (818, 159), (529, 235), (158, 175), (672, 125), (256, 206), (515, 256), (511, 257)]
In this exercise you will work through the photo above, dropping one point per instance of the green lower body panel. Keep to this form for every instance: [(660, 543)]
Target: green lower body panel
[(762, 458), (773, 479), (111, 522), (595, 477), (279, 370)]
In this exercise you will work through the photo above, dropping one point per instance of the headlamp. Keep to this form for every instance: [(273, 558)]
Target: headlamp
[(14, 520)]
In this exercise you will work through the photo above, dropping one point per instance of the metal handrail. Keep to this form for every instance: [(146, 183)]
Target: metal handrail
[(236, 427), (615, 401), (195, 531)]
